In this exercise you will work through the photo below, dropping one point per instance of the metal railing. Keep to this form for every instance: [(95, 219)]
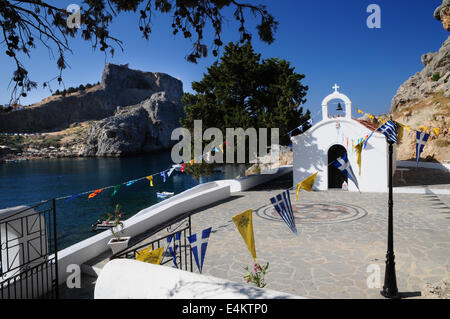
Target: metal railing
[(28, 254), (177, 230)]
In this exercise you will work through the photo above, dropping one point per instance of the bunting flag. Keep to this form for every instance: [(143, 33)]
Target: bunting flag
[(191, 162), (310, 122), (421, 139), (163, 174), (95, 193), (221, 147), (389, 129), (244, 224), (150, 178), (182, 167), (408, 127), (170, 171), (72, 197), (282, 204), (370, 116), (358, 149), (131, 182), (359, 111), (307, 184), (150, 256), (199, 242), (116, 188), (344, 166), (423, 128), (300, 128), (436, 130), (173, 250)]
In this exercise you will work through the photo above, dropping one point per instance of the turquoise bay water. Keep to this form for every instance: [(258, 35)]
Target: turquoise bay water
[(35, 180)]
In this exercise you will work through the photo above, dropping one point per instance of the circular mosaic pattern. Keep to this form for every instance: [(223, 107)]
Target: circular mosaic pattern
[(317, 212)]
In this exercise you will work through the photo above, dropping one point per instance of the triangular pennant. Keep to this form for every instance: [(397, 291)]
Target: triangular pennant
[(131, 182), (421, 139), (344, 166), (359, 111), (72, 197), (306, 184), (95, 193), (150, 256), (199, 242), (282, 204), (163, 174), (116, 188), (244, 224), (436, 130), (221, 147), (173, 249), (182, 167), (150, 178), (358, 149)]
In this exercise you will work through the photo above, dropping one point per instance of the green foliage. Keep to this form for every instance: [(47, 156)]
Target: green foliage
[(241, 90), (258, 276), (435, 77), (116, 218)]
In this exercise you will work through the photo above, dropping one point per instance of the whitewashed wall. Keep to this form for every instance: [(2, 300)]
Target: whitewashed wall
[(131, 279), (311, 154)]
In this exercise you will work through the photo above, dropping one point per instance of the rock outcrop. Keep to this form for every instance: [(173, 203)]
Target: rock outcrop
[(424, 100), (442, 13), (120, 86), (130, 112), (136, 129), (434, 78)]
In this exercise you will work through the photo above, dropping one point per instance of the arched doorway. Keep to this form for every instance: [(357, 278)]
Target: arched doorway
[(335, 176)]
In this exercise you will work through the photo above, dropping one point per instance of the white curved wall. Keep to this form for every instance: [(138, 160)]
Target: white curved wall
[(131, 279)]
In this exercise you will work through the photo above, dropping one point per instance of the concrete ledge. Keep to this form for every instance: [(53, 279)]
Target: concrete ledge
[(445, 167), (421, 190), (131, 279), (247, 182)]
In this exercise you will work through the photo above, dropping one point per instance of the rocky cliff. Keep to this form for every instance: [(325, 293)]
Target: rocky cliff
[(130, 112), (424, 100), (120, 86)]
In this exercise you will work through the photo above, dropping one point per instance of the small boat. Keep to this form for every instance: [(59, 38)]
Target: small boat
[(164, 194), (103, 224)]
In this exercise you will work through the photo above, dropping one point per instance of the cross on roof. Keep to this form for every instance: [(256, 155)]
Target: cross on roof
[(336, 87)]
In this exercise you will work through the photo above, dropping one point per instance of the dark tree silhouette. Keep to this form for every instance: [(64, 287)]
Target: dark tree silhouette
[(25, 24)]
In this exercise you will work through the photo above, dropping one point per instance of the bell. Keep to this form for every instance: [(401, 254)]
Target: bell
[(339, 107)]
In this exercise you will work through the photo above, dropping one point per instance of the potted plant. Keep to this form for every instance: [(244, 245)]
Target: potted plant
[(117, 243)]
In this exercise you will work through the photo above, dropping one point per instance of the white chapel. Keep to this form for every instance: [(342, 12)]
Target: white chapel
[(334, 136)]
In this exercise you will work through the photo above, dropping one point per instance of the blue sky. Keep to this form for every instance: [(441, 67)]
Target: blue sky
[(326, 40)]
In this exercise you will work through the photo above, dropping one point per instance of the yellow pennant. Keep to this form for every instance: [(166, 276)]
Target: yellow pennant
[(150, 178), (436, 130), (423, 128), (244, 224), (400, 131), (221, 147), (370, 116), (150, 256), (306, 184), (191, 162), (408, 127), (359, 111), (358, 149)]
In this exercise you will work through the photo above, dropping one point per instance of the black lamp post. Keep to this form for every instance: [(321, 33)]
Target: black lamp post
[(390, 281)]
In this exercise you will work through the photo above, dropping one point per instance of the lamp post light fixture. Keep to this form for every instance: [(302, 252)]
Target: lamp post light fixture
[(390, 281)]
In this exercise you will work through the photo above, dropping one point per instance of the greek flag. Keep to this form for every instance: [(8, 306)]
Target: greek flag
[(199, 242), (421, 139), (344, 166), (282, 204), (173, 250), (389, 129)]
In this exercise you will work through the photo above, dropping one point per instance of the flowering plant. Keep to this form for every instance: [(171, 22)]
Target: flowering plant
[(116, 220), (257, 277)]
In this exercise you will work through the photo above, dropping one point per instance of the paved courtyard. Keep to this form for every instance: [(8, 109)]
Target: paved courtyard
[(340, 235)]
